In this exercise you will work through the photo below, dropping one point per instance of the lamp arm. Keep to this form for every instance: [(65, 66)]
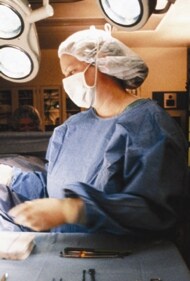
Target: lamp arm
[(41, 13), (45, 2), (165, 9)]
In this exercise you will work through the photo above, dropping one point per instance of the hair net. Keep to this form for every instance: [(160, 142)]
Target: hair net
[(110, 55)]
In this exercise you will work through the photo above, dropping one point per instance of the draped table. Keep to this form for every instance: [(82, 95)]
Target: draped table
[(148, 260)]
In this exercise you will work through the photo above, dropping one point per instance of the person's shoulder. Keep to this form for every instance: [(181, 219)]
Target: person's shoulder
[(136, 110), (144, 114), (143, 107)]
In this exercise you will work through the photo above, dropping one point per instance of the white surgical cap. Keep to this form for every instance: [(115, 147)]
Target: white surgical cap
[(110, 55)]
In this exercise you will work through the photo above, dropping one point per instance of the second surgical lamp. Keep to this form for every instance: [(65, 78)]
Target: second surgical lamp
[(131, 14)]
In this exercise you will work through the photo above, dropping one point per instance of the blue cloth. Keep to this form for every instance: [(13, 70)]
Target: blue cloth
[(130, 170), (31, 185)]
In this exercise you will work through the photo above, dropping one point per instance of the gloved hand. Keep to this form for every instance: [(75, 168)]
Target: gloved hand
[(6, 173)]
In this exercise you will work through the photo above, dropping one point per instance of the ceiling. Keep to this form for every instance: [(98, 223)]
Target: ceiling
[(164, 30)]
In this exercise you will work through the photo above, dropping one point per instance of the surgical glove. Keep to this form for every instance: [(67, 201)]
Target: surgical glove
[(6, 173)]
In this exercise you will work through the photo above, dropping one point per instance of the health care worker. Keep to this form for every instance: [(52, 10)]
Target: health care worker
[(118, 167)]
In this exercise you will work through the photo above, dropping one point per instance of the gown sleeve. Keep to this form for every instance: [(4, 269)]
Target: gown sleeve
[(141, 180)]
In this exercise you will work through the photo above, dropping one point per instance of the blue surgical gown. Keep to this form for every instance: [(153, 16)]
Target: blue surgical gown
[(130, 169)]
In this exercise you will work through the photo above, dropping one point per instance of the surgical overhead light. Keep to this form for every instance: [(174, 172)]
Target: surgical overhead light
[(19, 47), (130, 14)]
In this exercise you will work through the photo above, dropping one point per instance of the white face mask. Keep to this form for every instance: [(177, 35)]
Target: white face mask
[(79, 92)]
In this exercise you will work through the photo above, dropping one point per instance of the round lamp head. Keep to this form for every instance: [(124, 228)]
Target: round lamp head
[(15, 62), (11, 23)]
